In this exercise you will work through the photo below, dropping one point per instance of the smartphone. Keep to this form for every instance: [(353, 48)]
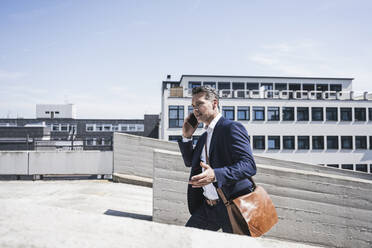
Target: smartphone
[(193, 121)]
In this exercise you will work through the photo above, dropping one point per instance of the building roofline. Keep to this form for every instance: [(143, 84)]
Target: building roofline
[(190, 75)]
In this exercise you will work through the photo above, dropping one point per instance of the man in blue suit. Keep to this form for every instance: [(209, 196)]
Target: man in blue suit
[(230, 162)]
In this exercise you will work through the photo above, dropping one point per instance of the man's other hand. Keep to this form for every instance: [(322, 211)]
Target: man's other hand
[(204, 178)]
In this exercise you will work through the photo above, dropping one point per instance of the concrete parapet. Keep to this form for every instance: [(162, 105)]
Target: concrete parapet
[(13, 163), (313, 207), (133, 154)]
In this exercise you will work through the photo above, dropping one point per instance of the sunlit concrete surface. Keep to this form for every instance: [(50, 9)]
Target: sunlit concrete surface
[(97, 213)]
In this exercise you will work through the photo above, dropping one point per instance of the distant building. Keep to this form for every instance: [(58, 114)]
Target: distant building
[(65, 131), (302, 119)]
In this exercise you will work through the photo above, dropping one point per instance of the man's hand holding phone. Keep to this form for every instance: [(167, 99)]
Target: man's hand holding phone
[(189, 126)]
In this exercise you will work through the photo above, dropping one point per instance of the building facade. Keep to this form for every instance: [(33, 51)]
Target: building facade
[(310, 120), (85, 134)]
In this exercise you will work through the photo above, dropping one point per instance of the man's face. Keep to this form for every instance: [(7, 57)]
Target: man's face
[(204, 109)]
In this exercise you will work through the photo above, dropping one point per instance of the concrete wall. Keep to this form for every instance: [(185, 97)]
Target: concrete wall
[(56, 163), (13, 163), (313, 207), (133, 154)]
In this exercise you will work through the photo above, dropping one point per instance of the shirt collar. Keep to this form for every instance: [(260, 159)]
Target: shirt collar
[(213, 123)]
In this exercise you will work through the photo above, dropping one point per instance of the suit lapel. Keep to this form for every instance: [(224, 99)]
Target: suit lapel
[(200, 146), (214, 135)]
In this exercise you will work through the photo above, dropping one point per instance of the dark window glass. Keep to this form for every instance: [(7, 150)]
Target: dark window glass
[(273, 113), (228, 112), (317, 114), (243, 113), (258, 113), (318, 142), (346, 142), (370, 114), (294, 87), (289, 142), (174, 137), (331, 114), (302, 113), (335, 87), (346, 114), (240, 88), (333, 165), (303, 142), (280, 87), (308, 87), (332, 142), (288, 113), (259, 142), (360, 114), (211, 84), (252, 86), (194, 84), (269, 87), (273, 142), (322, 87), (361, 167), (370, 142), (190, 110), (360, 142), (347, 166), (176, 116), (223, 86)]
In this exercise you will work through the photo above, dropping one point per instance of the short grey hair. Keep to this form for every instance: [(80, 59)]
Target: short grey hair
[(210, 93)]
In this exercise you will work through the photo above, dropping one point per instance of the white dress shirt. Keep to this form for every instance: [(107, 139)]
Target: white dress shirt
[(210, 191)]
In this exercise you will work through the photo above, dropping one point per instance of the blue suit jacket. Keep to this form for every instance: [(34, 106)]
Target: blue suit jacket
[(230, 156)]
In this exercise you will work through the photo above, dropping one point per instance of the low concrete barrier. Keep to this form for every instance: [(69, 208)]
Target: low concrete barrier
[(13, 163), (313, 207), (133, 154), (71, 163)]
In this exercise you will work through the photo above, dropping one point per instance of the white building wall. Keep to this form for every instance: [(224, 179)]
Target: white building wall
[(56, 111)]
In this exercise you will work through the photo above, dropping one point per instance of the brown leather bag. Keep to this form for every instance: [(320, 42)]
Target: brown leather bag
[(252, 214)]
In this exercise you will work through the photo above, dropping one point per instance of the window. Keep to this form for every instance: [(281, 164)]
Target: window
[(280, 87), (361, 167), (211, 84), (46, 112), (331, 114), (346, 114), (243, 113), (228, 112), (174, 138), (318, 142), (99, 127), (347, 166), (302, 113), (258, 113), (90, 141), (57, 112), (273, 113), (194, 84), (258, 142), (140, 127), (308, 87), (107, 127), (273, 142), (332, 142), (370, 142), (115, 128), (89, 127), (335, 87), (346, 142), (303, 142), (268, 87), (317, 114), (64, 127), (289, 142), (360, 114), (288, 113), (55, 127), (360, 142), (176, 116), (252, 86), (370, 114), (124, 127), (224, 86), (240, 88), (294, 87), (131, 127)]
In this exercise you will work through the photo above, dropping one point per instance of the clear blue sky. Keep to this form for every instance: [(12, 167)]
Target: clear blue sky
[(110, 57)]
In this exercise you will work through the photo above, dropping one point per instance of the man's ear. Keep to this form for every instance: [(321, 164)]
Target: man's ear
[(215, 104)]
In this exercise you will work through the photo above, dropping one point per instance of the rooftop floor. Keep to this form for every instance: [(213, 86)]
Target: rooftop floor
[(97, 213)]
